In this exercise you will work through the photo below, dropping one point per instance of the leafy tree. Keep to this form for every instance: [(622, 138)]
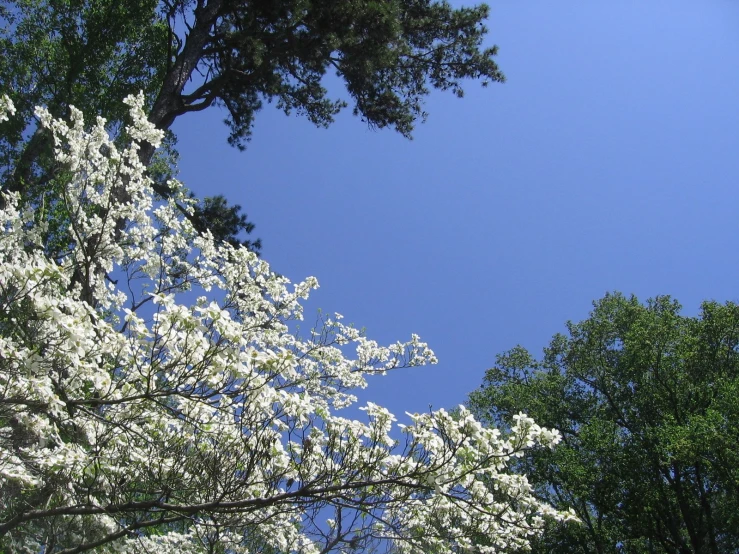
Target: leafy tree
[(58, 53), (387, 52), (646, 400), (189, 55), (154, 399), (90, 54)]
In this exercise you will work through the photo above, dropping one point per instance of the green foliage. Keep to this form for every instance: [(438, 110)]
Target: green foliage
[(86, 53), (388, 54), (646, 400), (225, 222), (90, 54), (188, 56)]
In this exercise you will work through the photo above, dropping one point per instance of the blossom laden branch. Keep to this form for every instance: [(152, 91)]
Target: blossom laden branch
[(152, 393)]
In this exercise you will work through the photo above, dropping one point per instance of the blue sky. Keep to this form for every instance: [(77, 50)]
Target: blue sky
[(608, 161)]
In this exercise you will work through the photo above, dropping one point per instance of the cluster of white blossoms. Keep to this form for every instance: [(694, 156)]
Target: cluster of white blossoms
[(6, 108), (154, 399)]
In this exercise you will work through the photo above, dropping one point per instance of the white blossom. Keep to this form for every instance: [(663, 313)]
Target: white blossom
[(7, 108), (154, 399)]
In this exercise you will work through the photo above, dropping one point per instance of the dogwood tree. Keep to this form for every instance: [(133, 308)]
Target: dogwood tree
[(154, 396)]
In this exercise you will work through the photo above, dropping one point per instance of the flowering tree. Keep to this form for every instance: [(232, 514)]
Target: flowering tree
[(154, 399)]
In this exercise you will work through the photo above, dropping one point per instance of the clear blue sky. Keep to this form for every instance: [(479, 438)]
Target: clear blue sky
[(608, 161)]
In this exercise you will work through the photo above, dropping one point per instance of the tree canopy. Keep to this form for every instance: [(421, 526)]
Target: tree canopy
[(190, 55), (387, 53), (646, 401), (155, 397)]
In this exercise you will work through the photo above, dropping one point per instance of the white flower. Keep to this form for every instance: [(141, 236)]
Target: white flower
[(152, 371), (7, 108)]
